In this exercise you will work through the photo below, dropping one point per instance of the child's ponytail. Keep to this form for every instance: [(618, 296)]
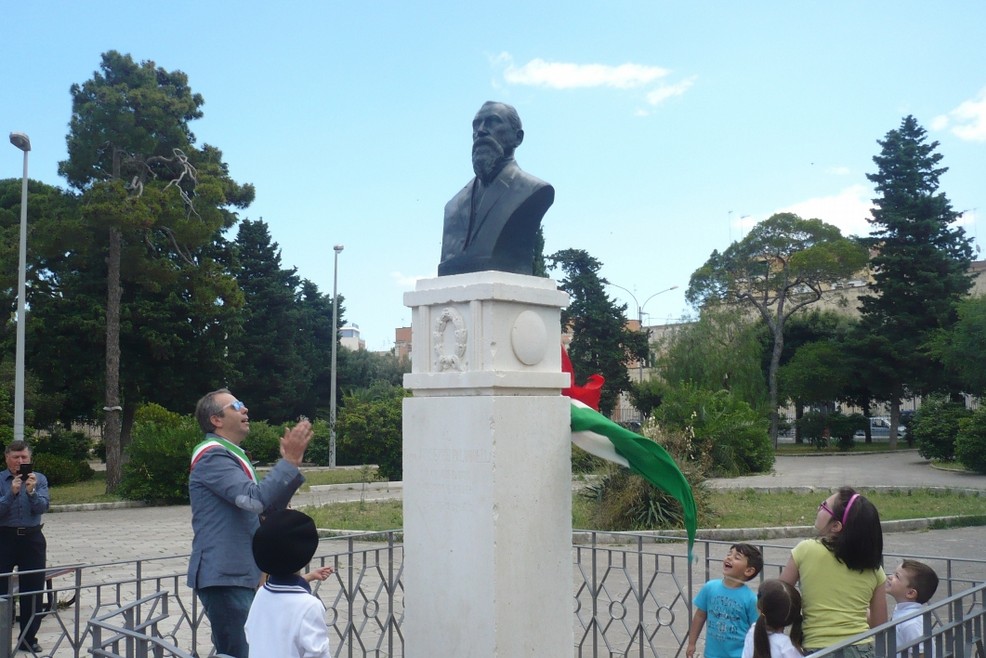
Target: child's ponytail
[(761, 638), (780, 607)]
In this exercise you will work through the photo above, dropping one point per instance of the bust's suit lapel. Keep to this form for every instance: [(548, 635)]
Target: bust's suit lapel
[(496, 192)]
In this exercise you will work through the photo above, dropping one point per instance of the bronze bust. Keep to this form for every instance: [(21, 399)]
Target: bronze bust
[(493, 222)]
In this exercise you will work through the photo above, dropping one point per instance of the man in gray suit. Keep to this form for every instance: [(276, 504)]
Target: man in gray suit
[(492, 223), (228, 499)]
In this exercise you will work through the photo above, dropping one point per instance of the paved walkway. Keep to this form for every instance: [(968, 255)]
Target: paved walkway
[(127, 534), (905, 468)]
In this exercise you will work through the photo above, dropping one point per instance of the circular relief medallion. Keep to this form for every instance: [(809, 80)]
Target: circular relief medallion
[(529, 338)]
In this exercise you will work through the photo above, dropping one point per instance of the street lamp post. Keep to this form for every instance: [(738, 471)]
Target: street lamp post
[(23, 142), (640, 315), (640, 307), (335, 339)]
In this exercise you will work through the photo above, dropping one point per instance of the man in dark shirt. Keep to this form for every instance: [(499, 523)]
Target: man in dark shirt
[(23, 499)]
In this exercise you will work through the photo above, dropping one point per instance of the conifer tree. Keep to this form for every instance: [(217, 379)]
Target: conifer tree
[(154, 195), (920, 266), (601, 342)]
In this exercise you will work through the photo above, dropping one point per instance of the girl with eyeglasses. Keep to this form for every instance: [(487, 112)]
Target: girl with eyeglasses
[(841, 574)]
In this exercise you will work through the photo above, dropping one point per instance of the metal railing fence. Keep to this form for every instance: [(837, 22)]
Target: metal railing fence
[(632, 597), (130, 637)]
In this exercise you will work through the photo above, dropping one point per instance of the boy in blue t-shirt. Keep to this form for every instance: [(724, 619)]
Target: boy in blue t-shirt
[(728, 604)]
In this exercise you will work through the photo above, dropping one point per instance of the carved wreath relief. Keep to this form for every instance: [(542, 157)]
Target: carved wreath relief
[(449, 320)]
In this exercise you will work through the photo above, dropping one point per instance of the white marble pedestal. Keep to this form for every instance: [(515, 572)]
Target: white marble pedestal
[(487, 471)]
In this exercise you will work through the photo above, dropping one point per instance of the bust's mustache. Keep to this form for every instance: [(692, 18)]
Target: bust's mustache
[(487, 158)]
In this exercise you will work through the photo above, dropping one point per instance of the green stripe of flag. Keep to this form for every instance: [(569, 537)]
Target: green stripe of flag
[(645, 457)]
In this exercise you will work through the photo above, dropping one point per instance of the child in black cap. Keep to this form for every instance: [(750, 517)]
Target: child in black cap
[(286, 620)]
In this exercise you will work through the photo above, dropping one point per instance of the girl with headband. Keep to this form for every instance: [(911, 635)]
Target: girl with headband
[(841, 574)]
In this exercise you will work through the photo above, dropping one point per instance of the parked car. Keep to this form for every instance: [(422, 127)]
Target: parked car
[(880, 429)]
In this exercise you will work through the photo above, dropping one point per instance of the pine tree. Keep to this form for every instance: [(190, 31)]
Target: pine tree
[(270, 370), (920, 267), (601, 342), (155, 197), (782, 266)]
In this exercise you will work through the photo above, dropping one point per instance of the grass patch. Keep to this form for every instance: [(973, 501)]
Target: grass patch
[(373, 515), (90, 491), (750, 509), (94, 490), (338, 476), (733, 509), (956, 466), (859, 446)]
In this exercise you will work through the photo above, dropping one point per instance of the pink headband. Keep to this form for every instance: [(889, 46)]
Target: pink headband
[(845, 512)]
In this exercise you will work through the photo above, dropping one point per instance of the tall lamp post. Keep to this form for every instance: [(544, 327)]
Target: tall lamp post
[(640, 315), (640, 307), (335, 339), (23, 142)]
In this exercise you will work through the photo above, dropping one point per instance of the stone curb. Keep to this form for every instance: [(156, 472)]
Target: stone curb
[(92, 507), (846, 453), (730, 534), (382, 485), (877, 488)]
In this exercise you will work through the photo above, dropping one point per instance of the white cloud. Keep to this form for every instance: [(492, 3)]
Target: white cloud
[(664, 92), (848, 210), (839, 171), (967, 121), (566, 75), (569, 75)]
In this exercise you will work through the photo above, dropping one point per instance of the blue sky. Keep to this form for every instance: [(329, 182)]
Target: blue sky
[(667, 129)]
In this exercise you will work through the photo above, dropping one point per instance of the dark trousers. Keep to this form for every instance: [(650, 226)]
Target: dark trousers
[(227, 608), (26, 552)]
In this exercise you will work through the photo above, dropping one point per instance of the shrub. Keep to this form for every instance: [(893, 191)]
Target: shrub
[(935, 427), (263, 443), (60, 469), (157, 470), (74, 446), (626, 501), (369, 430), (843, 428), (318, 449), (811, 426), (155, 413), (584, 462), (970, 443), (735, 435)]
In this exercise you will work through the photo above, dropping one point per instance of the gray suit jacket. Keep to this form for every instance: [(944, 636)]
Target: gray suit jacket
[(508, 214), (226, 508)]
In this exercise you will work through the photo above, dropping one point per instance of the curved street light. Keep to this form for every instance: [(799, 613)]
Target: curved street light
[(640, 307), (335, 340), (640, 318), (23, 142)]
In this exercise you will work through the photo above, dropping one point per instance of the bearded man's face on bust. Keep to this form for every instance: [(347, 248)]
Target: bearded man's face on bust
[(494, 139)]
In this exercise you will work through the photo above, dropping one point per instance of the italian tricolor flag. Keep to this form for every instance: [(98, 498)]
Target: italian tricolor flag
[(600, 436)]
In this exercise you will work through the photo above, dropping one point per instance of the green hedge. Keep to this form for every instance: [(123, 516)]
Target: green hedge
[(970, 443), (936, 426), (727, 428), (263, 443), (61, 470), (159, 452)]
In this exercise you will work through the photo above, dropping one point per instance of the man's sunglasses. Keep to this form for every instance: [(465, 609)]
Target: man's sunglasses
[(236, 405)]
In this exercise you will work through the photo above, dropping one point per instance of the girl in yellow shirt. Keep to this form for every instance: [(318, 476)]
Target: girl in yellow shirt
[(841, 573)]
